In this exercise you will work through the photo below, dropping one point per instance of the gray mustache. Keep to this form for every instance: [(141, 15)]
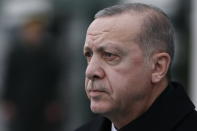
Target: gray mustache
[(95, 86)]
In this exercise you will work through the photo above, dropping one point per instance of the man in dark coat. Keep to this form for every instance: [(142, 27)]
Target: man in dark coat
[(31, 79), (129, 50)]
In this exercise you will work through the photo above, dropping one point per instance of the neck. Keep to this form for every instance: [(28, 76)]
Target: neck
[(123, 118)]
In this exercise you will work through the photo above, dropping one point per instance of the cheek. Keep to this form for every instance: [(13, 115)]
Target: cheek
[(128, 80), (87, 85), (127, 92), (123, 78)]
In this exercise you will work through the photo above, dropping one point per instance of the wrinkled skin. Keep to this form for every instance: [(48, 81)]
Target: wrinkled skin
[(118, 79)]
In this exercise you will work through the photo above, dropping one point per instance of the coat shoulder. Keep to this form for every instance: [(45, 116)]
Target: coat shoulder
[(189, 123)]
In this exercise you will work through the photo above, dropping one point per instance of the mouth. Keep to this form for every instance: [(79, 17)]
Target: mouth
[(94, 93)]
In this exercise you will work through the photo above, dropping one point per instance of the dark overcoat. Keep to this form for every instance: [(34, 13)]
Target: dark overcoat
[(172, 111)]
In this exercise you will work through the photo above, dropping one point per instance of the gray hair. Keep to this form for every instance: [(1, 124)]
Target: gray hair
[(157, 32)]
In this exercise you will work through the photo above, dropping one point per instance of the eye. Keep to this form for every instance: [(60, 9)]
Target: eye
[(109, 56), (88, 55)]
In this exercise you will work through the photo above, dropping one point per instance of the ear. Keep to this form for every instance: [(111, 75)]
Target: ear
[(160, 66)]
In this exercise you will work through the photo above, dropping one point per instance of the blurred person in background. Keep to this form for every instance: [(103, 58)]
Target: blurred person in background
[(129, 49), (33, 69)]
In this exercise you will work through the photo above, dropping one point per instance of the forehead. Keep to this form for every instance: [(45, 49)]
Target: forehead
[(120, 28)]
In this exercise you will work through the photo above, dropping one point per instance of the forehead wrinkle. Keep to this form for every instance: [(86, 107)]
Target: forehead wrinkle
[(96, 34), (95, 38)]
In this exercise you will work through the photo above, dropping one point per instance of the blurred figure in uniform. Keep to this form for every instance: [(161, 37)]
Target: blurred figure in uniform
[(31, 80)]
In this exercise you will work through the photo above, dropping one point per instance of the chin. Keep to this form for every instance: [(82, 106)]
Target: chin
[(99, 108), (96, 110)]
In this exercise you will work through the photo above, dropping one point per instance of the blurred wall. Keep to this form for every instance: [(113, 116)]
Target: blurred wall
[(193, 53)]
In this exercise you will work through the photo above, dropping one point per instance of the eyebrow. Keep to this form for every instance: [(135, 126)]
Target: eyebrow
[(104, 47)]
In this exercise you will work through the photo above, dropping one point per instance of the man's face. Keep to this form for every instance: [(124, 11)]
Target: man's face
[(117, 76)]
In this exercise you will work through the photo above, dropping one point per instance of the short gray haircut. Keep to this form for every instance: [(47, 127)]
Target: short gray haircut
[(157, 32)]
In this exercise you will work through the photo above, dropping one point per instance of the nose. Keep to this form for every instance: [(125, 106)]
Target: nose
[(94, 69)]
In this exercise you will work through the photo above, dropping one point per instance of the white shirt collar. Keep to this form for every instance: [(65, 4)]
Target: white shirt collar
[(113, 127)]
